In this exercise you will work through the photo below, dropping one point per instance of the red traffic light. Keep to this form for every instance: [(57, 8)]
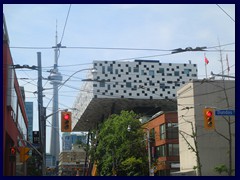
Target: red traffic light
[(66, 121), (209, 113), (13, 151), (209, 120), (66, 117), (12, 155)]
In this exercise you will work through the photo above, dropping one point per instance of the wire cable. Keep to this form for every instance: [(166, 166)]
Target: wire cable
[(111, 48), (65, 23), (225, 12)]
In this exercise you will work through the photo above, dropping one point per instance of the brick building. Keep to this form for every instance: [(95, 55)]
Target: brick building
[(72, 162), (163, 131), (15, 121)]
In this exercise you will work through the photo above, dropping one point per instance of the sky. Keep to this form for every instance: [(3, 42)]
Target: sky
[(163, 27)]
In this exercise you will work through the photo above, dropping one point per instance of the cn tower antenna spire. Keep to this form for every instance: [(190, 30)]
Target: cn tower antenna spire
[(56, 47)]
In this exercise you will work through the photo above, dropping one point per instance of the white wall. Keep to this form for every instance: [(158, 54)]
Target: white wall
[(213, 148)]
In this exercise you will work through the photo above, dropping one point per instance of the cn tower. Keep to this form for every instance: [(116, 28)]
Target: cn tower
[(55, 79)]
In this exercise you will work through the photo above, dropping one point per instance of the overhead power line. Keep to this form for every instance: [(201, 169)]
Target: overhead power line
[(225, 12), (111, 48), (65, 23)]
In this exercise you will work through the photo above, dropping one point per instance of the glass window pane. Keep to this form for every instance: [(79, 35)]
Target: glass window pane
[(161, 70), (136, 69), (151, 72), (162, 131)]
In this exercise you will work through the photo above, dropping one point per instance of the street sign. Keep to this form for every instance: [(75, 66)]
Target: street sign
[(225, 112)]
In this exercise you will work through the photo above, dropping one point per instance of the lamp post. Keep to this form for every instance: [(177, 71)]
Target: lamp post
[(221, 75), (93, 71), (44, 140), (149, 151)]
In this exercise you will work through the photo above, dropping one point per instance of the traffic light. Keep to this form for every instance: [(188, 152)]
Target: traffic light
[(209, 122), (66, 121), (12, 152), (24, 154)]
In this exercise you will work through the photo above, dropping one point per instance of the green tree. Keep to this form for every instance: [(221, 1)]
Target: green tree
[(222, 168), (32, 166), (119, 151)]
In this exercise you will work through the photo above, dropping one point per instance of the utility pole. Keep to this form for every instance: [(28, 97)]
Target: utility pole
[(221, 60), (41, 113), (149, 153)]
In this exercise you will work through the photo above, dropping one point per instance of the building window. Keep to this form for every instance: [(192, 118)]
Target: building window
[(129, 69), (173, 150), (110, 69), (177, 84), (172, 131), (142, 72), (151, 72), (102, 84), (151, 83), (161, 151), (161, 70), (136, 69), (187, 71), (162, 131), (176, 73), (103, 69), (21, 124), (128, 84), (152, 134), (162, 85)]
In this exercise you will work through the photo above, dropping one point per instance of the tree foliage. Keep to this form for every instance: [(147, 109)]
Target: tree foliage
[(119, 151), (222, 168)]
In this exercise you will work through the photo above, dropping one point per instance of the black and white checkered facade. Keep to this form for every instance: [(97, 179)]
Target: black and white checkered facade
[(132, 85), (140, 79)]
